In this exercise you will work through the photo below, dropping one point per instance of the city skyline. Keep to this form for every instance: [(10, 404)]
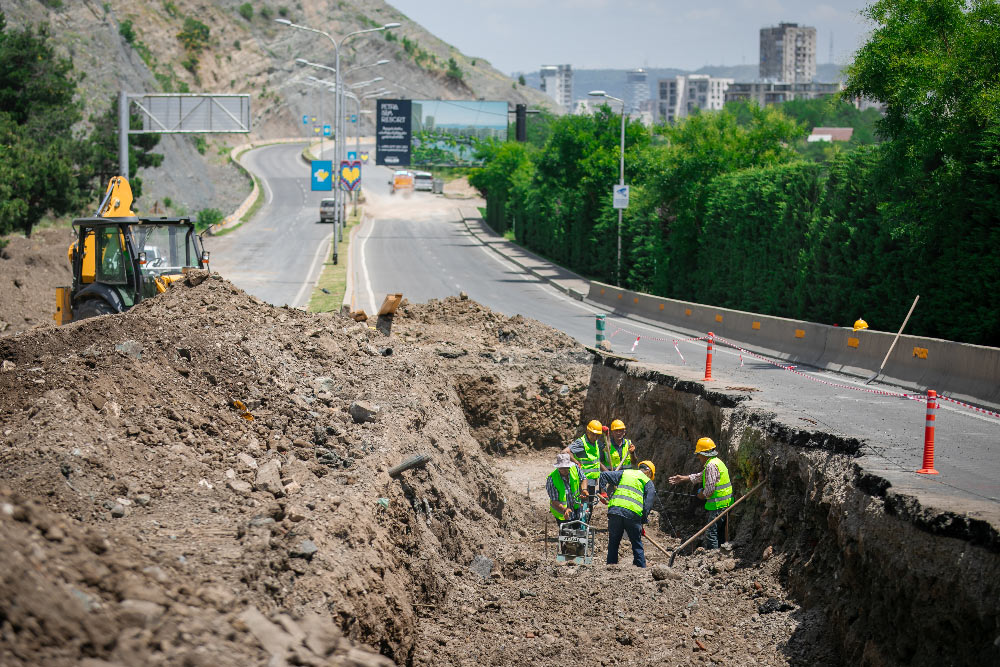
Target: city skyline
[(521, 35)]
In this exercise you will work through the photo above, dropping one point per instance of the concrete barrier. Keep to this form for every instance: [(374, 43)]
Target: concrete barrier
[(965, 372)]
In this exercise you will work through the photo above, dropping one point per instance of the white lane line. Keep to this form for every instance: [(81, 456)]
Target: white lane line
[(313, 277), (364, 265)]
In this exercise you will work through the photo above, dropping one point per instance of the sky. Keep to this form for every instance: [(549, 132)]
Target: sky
[(522, 35)]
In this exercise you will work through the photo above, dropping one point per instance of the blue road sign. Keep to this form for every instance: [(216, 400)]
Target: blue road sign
[(322, 175), (305, 120), (326, 130), (352, 156), (354, 118)]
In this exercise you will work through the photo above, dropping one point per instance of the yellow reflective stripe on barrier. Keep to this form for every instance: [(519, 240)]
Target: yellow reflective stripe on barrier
[(920, 352), (800, 333), (852, 342)]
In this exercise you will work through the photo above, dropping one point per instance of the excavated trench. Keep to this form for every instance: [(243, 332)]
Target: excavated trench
[(898, 583)]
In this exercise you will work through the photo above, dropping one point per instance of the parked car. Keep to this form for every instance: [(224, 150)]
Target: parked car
[(327, 208), (423, 180)]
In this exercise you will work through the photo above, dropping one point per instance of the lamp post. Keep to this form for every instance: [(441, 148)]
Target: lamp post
[(621, 178), (337, 143)]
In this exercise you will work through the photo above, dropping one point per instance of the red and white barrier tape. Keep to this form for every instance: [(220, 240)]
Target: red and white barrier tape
[(971, 407)]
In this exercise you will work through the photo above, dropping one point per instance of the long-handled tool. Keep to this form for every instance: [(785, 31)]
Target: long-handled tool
[(907, 319), (710, 523), (653, 542)]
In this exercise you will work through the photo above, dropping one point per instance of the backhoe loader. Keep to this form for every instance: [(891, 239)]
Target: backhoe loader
[(119, 259)]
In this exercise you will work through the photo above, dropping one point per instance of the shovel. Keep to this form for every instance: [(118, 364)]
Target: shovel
[(905, 320)]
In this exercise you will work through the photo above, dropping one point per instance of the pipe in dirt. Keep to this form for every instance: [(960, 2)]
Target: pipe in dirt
[(710, 523)]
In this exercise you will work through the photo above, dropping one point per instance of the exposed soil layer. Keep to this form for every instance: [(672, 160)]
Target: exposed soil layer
[(30, 270)]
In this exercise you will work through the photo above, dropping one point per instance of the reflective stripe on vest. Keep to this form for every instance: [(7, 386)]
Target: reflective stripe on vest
[(574, 486), (723, 494), (616, 456), (630, 492), (591, 459)]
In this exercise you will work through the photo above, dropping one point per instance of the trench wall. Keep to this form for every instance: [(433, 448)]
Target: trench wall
[(901, 584)]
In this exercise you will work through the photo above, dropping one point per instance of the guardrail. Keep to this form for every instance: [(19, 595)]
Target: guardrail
[(967, 372)]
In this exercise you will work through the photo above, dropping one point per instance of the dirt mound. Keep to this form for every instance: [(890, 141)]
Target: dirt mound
[(204, 479), (30, 270)]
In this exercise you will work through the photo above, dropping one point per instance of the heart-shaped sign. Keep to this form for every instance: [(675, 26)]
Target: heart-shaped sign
[(350, 174)]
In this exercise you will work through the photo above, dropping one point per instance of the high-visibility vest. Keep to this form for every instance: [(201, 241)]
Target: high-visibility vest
[(630, 492), (617, 457), (723, 494), (574, 489), (591, 459)]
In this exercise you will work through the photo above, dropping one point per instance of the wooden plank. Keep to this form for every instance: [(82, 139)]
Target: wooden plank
[(390, 304)]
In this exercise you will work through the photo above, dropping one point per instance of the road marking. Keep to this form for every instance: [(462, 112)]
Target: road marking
[(310, 281), (364, 265)]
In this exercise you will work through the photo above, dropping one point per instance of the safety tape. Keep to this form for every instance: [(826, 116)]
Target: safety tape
[(971, 407)]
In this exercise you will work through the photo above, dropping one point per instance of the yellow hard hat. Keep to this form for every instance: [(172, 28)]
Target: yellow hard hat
[(860, 324), (595, 428), (704, 445), (652, 468), (618, 425)]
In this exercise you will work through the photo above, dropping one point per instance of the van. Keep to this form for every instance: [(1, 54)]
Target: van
[(423, 180), (401, 180), (327, 208)]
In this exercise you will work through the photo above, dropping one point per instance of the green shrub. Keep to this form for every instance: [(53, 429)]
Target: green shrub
[(168, 202), (454, 71), (520, 80), (266, 13), (200, 144), (190, 64), (127, 31), (246, 11), (236, 45), (171, 9), (195, 35), (208, 217), (283, 12)]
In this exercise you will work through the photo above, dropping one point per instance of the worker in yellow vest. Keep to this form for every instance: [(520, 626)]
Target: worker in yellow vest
[(564, 488), (629, 507), (618, 454), (716, 487), (586, 451)]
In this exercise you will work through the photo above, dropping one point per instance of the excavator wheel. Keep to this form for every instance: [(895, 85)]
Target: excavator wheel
[(92, 308)]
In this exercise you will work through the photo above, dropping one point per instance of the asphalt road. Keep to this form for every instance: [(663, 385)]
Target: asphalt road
[(416, 244), (277, 254)]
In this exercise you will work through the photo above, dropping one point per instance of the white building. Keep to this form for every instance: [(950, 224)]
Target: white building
[(766, 93), (636, 90), (676, 98), (788, 53), (557, 82)]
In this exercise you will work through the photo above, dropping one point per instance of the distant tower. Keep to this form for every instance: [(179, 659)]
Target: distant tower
[(788, 53), (557, 81), (636, 90)]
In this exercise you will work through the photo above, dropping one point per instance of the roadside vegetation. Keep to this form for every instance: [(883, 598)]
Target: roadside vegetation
[(734, 208), (46, 167), (328, 295)]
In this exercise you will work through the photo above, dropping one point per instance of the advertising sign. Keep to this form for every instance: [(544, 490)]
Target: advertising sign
[(392, 133), (326, 130), (322, 175), (364, 156), (450, 132), (350, 175), (619, 196)]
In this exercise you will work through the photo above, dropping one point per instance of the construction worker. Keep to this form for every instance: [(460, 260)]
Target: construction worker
[(628, 509), (716, 488), (564, 489), (618, 454), (586, 451)]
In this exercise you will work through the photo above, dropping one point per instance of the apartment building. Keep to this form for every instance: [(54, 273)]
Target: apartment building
[(636, 90), (557, 82), (788, 53), (676, 98), (775, 92)]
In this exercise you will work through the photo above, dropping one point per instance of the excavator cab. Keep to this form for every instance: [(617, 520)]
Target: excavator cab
[(119, 259)]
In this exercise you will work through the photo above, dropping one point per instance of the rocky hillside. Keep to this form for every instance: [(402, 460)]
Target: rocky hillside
[(231, 46)]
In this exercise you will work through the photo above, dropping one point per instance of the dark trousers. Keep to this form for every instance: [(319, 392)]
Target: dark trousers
[(617, 525), (712, 534)]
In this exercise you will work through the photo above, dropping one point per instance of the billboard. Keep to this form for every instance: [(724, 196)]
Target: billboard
[(448, 132), (392, 133)]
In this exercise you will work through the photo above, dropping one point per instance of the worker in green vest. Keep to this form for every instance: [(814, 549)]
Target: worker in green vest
[(564, 489), (586, 451), (629, 507), (618, 454), (716, 487)]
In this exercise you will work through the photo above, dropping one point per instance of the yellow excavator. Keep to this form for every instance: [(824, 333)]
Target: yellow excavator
[(119, 259)]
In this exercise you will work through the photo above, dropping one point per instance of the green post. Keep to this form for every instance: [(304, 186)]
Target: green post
[(600, 329)]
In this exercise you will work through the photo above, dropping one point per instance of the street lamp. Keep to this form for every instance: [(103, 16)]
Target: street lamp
[(322, 140), (338, 147), (621, 178)]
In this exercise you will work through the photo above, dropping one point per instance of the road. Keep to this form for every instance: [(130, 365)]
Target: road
[(418, 245)]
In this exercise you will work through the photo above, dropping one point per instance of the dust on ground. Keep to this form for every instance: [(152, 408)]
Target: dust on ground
[(30, 270), (204, 480)]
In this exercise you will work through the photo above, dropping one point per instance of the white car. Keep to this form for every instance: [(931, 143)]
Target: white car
[(423, 180)]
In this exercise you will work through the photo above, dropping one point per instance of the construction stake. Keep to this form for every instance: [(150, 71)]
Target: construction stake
[(709, 524)]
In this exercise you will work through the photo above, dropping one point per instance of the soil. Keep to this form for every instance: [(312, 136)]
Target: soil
[(30, 270), (204, 481)]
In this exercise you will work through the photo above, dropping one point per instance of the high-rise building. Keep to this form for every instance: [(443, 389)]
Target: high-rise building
[(788, 53), (678, 97), (557, 82), (636, 90)]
